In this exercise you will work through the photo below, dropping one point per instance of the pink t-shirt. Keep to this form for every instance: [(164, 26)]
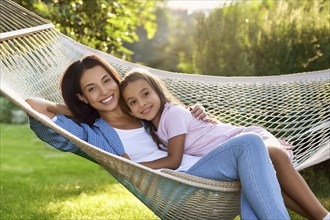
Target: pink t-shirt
[(202, 137)]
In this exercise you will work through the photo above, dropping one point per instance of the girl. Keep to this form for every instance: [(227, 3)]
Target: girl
[(172, 127)]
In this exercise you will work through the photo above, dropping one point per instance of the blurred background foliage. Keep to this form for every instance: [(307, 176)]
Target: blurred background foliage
[(101, 24), (240, 39), (263, 38)]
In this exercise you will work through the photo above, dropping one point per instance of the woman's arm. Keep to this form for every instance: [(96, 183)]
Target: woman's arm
[(80, 130), (48, 108), (54, 139), (174, 157)]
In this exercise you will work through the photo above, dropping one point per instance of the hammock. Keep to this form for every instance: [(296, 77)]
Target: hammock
[(293, 107)]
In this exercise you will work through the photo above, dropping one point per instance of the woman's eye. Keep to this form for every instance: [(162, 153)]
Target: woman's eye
[(131, 103), (145, 94), (90, 89)]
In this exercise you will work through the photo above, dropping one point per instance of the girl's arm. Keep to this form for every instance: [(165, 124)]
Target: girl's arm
[(48, 108), (174, 156)]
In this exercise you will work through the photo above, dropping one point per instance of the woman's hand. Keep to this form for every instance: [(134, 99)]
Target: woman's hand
[(288, 147), (198, 111), (285, 144)]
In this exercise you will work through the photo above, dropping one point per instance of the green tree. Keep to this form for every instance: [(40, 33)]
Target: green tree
[(101, 24)]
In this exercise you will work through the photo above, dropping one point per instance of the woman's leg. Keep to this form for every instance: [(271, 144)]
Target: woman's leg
[(245, 158), (295, 187)]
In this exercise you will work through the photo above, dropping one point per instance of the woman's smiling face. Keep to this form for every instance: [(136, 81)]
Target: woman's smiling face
[(99, 89)]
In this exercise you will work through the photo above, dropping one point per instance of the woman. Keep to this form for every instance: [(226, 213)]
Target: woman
[(90, 90)]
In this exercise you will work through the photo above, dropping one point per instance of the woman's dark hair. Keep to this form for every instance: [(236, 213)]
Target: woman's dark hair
[(70, 87)]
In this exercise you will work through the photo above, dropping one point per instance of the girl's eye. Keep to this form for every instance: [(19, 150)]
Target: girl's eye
[(145, 94)]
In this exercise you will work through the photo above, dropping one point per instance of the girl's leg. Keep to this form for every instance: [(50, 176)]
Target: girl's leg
[(292, 205), (245, 158), (294, 186)]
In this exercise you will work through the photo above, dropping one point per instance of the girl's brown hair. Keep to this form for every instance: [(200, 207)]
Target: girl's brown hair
[(157, 85), (70, 87)]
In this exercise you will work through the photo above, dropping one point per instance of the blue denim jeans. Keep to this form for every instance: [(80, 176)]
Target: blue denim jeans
[(245, 158)]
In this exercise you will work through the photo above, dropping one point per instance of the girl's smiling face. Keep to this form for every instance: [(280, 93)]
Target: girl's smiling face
[(142, 100), (99, 89)]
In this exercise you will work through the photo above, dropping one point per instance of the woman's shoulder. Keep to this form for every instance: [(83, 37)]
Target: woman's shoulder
[(173, 110), (172, 107)]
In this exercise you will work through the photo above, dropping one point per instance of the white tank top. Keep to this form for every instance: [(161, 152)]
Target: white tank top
[(140, 147)]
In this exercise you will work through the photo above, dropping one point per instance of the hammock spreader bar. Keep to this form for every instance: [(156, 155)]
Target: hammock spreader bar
[(24, 32)]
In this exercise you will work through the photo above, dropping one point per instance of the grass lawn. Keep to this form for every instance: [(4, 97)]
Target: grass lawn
[(38, 182)]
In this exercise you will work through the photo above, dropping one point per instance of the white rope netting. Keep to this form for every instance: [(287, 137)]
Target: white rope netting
[(294, 108)]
